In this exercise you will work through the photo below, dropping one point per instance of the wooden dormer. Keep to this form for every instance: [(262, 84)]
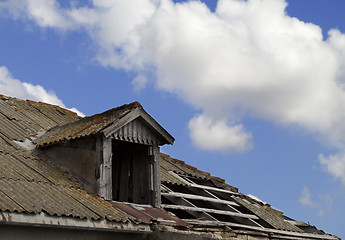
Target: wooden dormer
[(115, 153)]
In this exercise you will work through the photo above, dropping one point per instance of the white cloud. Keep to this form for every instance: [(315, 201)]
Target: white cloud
[(246, 58), (139, 82), (305, 198), (322, 203), (217, 135), (334, 164), (15, 88)]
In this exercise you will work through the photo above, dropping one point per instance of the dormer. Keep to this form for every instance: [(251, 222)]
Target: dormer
[(115, 154)]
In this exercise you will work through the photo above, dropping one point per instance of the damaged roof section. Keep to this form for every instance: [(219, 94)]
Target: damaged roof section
[(207, 202), (169, 164)]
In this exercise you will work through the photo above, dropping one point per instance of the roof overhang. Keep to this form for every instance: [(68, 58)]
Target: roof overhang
[(44, 220)]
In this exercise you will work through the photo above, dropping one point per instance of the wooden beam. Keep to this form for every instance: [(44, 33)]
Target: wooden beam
[(213, 189), (185, 202), (261, 229), (208, 210), (105, 169), (244, 221), (98, 161), (197, 197), (248, 221), (156, 177)]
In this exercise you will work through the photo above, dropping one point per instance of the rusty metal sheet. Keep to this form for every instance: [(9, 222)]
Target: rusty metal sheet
[(159, 213), (148, 215), (138, 215)]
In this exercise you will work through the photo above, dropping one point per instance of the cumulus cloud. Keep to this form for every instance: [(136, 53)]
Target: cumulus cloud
[(322, 203), (15, 88), (305, 198), (139, 82), (246, 58), (217, 135), (334, 164)]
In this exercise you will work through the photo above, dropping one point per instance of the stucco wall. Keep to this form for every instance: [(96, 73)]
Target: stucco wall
[(76, 157)]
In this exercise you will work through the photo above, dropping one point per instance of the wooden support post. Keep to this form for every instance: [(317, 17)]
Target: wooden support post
[(156, 177), (104, 183)]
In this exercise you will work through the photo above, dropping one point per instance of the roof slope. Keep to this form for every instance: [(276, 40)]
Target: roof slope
[(30, 184)]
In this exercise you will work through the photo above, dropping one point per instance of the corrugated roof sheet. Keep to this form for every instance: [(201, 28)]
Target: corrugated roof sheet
[(28, 117), (166, 177), (32, 185), (36, 197), (171, 164), (268, 216)]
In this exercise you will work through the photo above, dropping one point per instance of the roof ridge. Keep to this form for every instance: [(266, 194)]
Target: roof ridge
[(4, 97)]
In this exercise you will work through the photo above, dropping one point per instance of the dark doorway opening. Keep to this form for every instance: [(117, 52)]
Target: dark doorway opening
[(131, 170)]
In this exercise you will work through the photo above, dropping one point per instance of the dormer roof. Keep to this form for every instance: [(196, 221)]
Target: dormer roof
[(110, 123)]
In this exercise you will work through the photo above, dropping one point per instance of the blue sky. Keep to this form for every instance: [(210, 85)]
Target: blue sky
[(252, 91)]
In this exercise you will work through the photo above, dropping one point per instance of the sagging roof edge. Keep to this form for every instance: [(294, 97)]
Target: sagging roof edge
[(44, 220)]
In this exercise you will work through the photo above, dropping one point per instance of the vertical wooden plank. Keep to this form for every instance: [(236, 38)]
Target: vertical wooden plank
[(116, 171), (105, 179), (156, 177), (98, 162)]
